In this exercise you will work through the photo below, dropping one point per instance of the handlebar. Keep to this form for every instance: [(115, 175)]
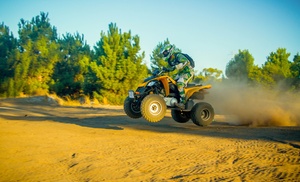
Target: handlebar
[(155, 74)]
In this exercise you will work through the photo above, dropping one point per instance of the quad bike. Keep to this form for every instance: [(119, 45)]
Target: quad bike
[(159, 92)]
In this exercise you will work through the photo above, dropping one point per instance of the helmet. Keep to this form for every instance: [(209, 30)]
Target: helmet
[(167, 51)]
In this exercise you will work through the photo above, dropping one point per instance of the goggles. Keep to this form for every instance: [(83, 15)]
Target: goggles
[(165, 53)]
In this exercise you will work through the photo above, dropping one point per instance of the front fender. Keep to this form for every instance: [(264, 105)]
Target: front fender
[(164, 80)]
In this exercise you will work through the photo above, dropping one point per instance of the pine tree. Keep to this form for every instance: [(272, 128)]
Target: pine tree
[(8, 49), (118, 65), (157, 62), (208, 75), (38, 54), (277, 67), (240, 67), (70, 70), (295, 70)]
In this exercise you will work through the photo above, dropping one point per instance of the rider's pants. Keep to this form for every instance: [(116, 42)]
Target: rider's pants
[(181, 82)]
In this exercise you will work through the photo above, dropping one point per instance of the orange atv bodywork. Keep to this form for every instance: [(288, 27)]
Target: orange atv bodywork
[(165, 80), (189, 91)]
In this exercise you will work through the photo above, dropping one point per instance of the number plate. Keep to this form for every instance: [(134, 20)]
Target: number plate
[(131, 94)]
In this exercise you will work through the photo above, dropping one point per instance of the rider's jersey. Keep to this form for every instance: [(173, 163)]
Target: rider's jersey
[(181, 64)]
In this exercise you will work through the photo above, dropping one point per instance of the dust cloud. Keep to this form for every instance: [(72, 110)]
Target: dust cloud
[(243, 105)]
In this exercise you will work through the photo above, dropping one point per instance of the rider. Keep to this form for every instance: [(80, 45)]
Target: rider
[(184, 69)]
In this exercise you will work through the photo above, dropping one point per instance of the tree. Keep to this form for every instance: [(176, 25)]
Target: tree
[(277, 67), (256, 77), (157, 62), (209, 75), (8, 49), (295, 71), (70, 70), (117, 65), (38, 54), (240, 67)]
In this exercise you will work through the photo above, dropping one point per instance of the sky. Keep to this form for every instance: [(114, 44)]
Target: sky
[(210, 31)]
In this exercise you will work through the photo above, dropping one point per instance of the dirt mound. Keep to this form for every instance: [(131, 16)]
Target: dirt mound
[(35, 100)]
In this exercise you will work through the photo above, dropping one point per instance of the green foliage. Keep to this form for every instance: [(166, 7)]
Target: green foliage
[(277, 67), (69, 72), (256, 77), (117, 64), (39, 62), (38, 55), (276, 71), (295, 71), (240, 67), (8, 48), (209, 75)]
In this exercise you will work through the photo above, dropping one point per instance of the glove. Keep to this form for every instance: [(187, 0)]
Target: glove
[(155, 72)]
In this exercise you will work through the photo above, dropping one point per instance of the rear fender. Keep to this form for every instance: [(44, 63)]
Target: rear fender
[(191, 90)]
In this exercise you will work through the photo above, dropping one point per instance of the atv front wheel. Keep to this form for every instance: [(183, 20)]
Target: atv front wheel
[(131, 108), (202, 114), (153, 108), (180, 116)]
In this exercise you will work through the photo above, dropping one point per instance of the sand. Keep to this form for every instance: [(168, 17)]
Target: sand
[(41, 141)]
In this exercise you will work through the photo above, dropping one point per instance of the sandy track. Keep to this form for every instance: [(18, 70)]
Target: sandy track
[(44, 142)]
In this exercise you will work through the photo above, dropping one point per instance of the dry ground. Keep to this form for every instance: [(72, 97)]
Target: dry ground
[(41, 141)]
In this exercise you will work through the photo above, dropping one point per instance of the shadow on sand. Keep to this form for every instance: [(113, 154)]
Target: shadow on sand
[(116, 119)]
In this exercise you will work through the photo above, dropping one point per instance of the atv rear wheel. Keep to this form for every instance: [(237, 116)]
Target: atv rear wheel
[(131, 108), (153, 108), (180, 116), (202, 114)]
